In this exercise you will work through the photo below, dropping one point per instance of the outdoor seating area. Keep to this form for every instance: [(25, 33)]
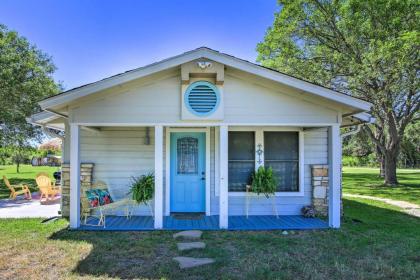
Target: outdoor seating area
[(24, 203)]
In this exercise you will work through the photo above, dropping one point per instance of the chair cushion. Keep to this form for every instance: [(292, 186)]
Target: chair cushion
[(98, 197)]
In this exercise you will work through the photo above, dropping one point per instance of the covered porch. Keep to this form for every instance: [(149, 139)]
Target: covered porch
[(221, 206)]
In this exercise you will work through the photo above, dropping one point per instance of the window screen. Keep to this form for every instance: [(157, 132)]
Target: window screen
[(241, 159), (281, 153)]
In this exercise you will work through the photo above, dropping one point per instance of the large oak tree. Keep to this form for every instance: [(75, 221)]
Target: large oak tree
[(25, 78), (366, 48)]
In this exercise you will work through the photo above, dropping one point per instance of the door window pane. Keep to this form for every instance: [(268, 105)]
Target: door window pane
[(241, 159), (281, 153), (187, 155)]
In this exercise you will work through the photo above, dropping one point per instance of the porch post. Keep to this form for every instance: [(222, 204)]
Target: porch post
[(158, 176), (74, 176), (223, 185), (334, 159)]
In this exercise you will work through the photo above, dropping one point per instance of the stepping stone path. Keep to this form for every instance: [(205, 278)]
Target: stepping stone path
[(190, 245), (189, 234), (187, 262)]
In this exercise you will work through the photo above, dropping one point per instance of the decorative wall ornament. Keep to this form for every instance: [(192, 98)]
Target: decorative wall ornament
[(204, 64), (259, 153)]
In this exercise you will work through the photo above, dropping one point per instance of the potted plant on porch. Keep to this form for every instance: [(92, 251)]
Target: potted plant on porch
[(263, 182), (142, 189)]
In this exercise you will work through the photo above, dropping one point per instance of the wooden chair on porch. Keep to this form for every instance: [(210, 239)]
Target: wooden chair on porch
[(24, 189), (101, 211)]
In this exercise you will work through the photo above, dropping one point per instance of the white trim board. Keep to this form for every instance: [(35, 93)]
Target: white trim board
[(200, 53), (168, 166)]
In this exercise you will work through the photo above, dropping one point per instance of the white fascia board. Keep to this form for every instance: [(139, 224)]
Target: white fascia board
[(212, 55), (43, 117), (357, 119), (364, 117)]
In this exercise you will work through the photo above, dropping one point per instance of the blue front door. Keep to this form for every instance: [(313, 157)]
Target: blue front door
[(188, 171)]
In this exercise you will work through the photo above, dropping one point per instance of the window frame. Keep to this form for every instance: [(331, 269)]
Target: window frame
[(248, 161), (259, 139)]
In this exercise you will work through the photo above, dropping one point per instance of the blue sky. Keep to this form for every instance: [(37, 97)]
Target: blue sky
[(91, 40)]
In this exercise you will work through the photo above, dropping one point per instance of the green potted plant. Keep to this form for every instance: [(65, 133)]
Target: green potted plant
[(143, 188), (264, 182)]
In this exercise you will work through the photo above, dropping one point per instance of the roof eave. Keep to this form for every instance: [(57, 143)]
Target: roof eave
[(231, 61)]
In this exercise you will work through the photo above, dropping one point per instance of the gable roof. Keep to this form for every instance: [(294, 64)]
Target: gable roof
[(204, 52)]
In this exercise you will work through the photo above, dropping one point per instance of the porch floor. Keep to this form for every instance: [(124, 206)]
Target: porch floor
[(140, 223)]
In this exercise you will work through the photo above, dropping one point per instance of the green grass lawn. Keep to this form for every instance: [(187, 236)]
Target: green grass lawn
[(376, 241), (25, 176), (365, 181)]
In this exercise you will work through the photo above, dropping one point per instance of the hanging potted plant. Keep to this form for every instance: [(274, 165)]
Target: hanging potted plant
[(264, 182), (142, 189)]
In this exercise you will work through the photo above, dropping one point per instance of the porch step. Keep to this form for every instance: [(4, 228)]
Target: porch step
[(187, 262), (188, 234), (184, 246)]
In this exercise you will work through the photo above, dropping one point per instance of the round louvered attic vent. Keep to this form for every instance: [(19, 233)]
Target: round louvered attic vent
[(202, 98)]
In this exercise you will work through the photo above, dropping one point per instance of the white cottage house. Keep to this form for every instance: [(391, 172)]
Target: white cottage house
[(203, 121)]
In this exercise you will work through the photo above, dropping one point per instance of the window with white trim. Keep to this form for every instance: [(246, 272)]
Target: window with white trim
[(281, 153), (273, 148), (241, 157)]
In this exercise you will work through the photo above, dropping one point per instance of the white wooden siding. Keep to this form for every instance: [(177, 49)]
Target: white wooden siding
[(159, 101), (118, 154)]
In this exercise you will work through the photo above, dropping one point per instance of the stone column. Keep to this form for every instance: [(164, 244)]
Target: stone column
[(65, 190), (320, 185), (86, 173)]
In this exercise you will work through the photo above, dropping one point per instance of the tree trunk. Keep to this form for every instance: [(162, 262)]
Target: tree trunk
[(381, 159), (391, 169), (17, 167), (382, 167)]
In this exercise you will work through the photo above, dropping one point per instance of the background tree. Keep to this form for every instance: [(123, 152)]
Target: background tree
[(366, 48), (25, 78), (410, 146)]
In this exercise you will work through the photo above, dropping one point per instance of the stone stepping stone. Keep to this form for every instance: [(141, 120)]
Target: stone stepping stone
[(189, 234), (184, 246), (187, 262)]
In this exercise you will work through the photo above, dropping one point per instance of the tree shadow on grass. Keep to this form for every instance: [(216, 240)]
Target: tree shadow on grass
[(370, 184), (131, 255)]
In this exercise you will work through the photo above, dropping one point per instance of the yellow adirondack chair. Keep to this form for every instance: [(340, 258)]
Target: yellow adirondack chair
[(14, 193), (46, 187)]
